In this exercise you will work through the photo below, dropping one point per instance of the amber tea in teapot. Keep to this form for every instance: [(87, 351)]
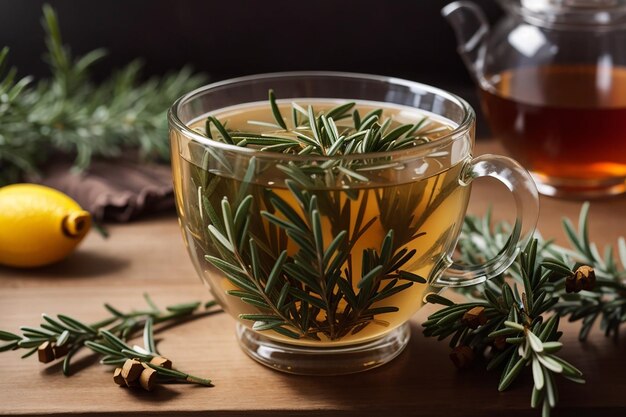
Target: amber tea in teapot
[(552, 76), (562, 121)]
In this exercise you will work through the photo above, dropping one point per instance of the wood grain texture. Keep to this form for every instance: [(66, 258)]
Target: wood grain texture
[(149, 256)]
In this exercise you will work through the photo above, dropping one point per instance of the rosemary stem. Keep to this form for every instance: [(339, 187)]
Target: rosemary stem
[(269, 302), (104, 322)]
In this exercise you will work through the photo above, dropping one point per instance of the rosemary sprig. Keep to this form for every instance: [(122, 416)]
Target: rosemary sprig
[(64, 336), (513, 330), (68, 114), (291, 291), (338, 131), (117, 352), (561, 291), (315, 292), (605, 301)]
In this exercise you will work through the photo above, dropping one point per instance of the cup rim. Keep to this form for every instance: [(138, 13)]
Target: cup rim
[(460, 130)]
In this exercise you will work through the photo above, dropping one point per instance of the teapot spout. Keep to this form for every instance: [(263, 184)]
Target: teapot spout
[(471, 28)]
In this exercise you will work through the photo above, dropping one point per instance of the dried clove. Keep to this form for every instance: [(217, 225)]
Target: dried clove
[(147, 379), (584, 278), (118, 378), (474, 317), (162, 362), (45, 352), (131, 370), (462, 356)]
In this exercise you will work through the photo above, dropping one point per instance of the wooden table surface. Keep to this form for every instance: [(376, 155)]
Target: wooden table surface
[(148, 255)]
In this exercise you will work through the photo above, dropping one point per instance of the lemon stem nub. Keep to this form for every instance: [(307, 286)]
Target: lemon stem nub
[(76, 223)]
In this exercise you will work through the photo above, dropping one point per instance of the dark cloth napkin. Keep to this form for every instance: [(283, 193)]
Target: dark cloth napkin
[(115, 190)]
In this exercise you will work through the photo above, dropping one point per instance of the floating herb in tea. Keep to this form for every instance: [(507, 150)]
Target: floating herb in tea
[(326, 254)]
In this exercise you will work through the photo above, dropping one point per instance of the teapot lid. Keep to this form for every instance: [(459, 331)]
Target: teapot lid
[(589, 14)]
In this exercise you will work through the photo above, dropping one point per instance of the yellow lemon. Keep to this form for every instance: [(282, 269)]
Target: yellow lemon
[(38, 225)]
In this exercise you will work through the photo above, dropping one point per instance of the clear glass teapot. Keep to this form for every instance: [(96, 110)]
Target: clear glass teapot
[(552, 79)]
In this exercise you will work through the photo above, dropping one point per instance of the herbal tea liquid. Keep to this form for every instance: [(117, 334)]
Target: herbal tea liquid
[(424, 215), (566, 123)]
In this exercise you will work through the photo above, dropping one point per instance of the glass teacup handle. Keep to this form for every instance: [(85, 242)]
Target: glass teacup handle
[(524, 191)]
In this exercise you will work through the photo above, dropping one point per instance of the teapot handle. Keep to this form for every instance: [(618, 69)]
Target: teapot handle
[(471, 28)]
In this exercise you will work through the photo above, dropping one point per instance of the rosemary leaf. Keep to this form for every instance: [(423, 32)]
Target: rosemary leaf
[(221, 129), (30, 352), (76, 324), (510, 376), (100, 348), (412, 277), (8, 336), (9, 346), (148, 337), (367, 278), (63, 338), (276, 110), (276, 270)]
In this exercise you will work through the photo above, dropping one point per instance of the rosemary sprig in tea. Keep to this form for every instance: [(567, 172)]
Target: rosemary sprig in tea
[(337, 132), (315, 291), (341, 130), (291, 291)]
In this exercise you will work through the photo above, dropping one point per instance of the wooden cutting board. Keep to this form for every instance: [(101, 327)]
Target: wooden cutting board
[(149, 256)]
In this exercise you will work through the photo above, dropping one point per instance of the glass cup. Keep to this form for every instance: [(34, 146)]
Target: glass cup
[(321, 269)]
